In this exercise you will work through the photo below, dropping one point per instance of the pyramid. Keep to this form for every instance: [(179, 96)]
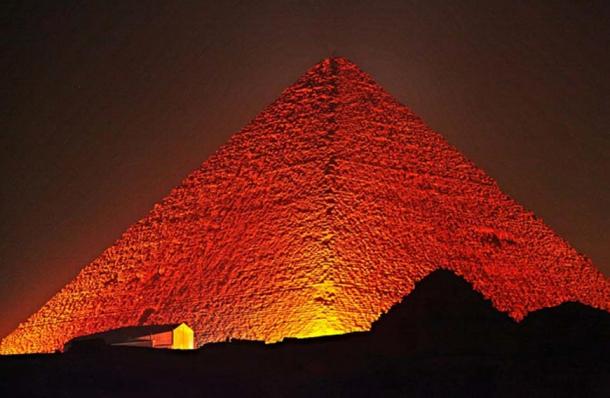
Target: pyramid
[(315, 219)]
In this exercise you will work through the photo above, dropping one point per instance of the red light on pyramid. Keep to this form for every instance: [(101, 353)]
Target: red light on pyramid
[(316, 218)]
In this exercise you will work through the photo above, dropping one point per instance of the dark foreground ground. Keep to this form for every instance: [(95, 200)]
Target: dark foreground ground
[(445, 340)]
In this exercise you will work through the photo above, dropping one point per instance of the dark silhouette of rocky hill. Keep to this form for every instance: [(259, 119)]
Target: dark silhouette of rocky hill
[(444, 339)]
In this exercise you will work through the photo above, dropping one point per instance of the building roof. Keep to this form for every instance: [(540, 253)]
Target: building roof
[(113, 336)]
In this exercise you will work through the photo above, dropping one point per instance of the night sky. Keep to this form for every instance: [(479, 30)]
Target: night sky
[(106, 108)]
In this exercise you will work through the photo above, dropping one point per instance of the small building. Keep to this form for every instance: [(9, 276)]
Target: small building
[(174, 336)]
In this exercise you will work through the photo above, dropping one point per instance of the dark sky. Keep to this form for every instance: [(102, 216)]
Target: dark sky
[(107, 107)]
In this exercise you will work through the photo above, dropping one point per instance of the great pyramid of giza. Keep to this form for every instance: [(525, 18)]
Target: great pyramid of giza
[(315, 219)]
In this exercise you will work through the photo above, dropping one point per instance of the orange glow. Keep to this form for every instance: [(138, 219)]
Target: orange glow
[(325, 319), (316, 218)]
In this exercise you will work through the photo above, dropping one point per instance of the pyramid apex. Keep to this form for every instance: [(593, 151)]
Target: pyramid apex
[(336, 61), (339, 59)]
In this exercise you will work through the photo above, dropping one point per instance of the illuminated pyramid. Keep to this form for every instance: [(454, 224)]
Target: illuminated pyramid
[(316, 218)]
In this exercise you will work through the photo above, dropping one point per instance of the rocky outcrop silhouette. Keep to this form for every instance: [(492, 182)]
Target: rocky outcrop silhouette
[(444, 339)]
